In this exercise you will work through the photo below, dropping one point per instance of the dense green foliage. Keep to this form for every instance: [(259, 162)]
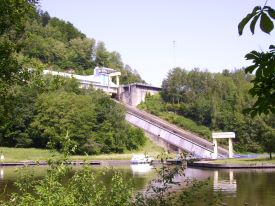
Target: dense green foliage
[(47, 110), (216, 101), (82, 188), (155, 105), (56, 44), (39, 111), (30, 38), (13, 15), (263, 63)]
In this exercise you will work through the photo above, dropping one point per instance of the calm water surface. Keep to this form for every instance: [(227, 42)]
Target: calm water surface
[(255, 187)]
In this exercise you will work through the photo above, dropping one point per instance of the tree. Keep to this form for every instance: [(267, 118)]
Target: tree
[(129, 75), (269, 142), (175, 85), (45, 17), (67, 29), (59, 113), (263, 63), (13, 14), (214, 100), (102, 55), (81, 52)]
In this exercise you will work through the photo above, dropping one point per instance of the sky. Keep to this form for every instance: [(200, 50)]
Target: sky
[(154, 36)]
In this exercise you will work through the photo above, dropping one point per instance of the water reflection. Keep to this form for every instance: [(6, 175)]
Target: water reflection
[(1, 173), (226, 185), (255, 186), (141, 169)]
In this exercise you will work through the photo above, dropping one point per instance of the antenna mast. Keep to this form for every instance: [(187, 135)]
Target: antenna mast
[(174, 53)]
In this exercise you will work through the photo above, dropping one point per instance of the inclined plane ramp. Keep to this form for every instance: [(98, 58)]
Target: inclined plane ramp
[(182, 139)]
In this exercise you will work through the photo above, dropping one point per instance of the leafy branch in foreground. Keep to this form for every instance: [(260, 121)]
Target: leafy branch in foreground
[(264, 81), (263, 62), (159, 191), (82, 188), (265, 14), (67, 187), (163, 191)]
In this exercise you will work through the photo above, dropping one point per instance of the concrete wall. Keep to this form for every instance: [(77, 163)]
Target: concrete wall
[(170, 137), (134, 94), (108, 90), (161, 142)]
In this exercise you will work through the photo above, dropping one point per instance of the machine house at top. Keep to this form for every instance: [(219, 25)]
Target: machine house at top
[(101, 79)]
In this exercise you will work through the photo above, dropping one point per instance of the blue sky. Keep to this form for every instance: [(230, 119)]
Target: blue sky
[(143, 31)]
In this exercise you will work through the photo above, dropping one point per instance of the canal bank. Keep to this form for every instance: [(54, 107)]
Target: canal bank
[(90, 162), (229, 164)]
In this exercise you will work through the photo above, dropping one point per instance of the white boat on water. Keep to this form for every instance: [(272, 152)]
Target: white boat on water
[(141, 159), (141, 169)]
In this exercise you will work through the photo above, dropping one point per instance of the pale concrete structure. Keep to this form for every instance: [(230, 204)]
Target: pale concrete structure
[(220, 135), (134, 94), (230, 186), (101, 79), (166, 132)]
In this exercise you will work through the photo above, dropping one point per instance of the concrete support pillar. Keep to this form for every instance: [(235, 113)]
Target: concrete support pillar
[(109, 82), (230, 148), (117, 80), (215, 154)]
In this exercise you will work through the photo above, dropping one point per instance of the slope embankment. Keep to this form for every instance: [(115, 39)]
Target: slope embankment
[(172, 134)]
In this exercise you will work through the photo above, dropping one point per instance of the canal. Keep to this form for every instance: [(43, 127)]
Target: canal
[(254, 187)]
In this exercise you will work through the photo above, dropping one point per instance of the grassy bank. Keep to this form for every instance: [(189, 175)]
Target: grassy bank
[(32, 154), (149, 148), (260, 160), (25, 154), (157, 107)]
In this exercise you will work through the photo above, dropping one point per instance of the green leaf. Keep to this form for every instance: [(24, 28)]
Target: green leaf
[(266, 24), (246, 110), (271, 12), (250, 69), (253, 23), (256, 8), (259, 72), (243, 23), (253, 113), (252, 55), (272, 110), (268, 71)]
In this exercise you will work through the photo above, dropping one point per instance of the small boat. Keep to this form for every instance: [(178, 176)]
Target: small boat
[(141, 169), (141, 159)]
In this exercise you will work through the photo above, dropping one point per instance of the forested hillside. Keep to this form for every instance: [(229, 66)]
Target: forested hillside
[(49, 111), (53, 43), (203, 102)]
